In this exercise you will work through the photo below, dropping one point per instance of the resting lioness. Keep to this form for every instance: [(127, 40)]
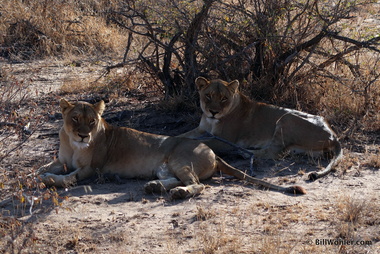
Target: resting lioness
[(267, 129), (88, 145)]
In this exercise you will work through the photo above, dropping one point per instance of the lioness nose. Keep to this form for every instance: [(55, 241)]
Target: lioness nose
[(82, 136), (213, 112)]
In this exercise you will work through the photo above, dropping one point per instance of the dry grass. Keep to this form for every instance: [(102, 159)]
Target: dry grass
[(204, 213), (373, 161), (260, 227), (349, 103), (357, 221), (25, 194), (358, 211), (117, 85), (39, 29), (115, 88)]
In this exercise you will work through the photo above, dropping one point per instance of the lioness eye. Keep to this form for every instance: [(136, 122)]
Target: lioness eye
[(75, 119), (224, 99), (92, 122), (208, 97)]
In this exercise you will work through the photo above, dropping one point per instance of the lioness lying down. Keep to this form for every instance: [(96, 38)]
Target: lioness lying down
[(267, 129), (88, 145)]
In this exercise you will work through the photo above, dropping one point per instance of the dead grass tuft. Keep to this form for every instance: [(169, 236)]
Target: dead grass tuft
[(204, 213), (214, 236), (373, 161), (355, 215), (352, 210)]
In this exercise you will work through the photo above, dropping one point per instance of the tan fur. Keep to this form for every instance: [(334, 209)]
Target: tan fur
[(266, 129), (88, 145)]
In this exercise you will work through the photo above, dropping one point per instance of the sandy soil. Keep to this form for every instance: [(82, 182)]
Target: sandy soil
[(101, 216)]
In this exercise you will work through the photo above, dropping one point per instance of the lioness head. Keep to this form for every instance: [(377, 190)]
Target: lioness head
[(217, 97), (81, 121)]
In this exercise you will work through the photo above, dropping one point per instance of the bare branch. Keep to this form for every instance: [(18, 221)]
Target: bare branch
[(359, 44), (127, 48)]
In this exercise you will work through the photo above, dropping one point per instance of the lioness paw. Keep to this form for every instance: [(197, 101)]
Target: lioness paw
[(154, 187), (180, 193), (313, 176), (47, 178), (50, 179), (187, 191)]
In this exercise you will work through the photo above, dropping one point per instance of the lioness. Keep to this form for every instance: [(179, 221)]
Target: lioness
[(267, 129), (88, 145)]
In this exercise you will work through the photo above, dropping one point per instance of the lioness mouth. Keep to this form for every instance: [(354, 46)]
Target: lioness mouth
[(81, 144)]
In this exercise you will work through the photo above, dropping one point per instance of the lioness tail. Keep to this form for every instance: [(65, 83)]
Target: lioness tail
[(229, 170), (338, 155)]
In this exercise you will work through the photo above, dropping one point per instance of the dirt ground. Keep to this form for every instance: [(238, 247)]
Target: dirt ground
[(339, 213)]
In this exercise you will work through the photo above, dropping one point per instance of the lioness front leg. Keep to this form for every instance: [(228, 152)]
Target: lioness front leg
[(57, 180), (193, 134)]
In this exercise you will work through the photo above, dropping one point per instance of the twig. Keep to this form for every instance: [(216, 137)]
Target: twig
[(31, 200)]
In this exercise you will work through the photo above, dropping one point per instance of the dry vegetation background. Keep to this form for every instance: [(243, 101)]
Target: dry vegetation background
[(142, 58)]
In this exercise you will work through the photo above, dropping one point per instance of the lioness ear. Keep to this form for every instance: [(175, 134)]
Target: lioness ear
[(99, 107), (234, 85), (64, 104), (201, 83)]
